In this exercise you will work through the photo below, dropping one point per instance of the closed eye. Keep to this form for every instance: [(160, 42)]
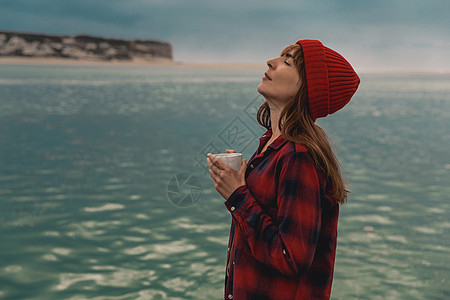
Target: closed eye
[(288, 56)]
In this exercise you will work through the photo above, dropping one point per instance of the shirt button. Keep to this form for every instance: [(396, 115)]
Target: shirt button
[(232, 208), (230, 296), (252, 166), (284, 251)]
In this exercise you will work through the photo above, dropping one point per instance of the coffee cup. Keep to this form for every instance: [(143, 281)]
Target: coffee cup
[(232, 159)]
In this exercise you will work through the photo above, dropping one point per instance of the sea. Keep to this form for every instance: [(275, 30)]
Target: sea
[(104, 190)]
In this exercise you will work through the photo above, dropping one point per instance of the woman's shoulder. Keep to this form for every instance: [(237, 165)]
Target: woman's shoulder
[(292, 148), (296, 155), (294, 151), (300, 148)]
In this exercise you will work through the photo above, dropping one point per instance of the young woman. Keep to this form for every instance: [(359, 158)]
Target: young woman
[(285, 201)]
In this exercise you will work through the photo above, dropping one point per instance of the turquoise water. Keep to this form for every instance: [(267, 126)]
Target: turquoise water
[(104, 194)]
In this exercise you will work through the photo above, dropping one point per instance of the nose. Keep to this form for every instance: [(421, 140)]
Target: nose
[(271, 62)]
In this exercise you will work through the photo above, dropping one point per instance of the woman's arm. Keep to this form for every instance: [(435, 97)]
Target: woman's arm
[(288, 243)]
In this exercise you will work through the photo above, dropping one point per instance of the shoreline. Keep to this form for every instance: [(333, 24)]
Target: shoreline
[(165, 62), (135, 62)]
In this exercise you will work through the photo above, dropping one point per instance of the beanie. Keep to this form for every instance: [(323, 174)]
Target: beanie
[(330, 78)]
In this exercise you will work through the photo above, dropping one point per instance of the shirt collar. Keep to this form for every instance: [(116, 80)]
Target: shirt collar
[(276, 144)]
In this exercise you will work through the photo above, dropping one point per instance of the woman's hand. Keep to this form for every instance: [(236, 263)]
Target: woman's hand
[(226, 180)]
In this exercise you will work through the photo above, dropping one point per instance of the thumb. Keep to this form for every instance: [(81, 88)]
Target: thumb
[(230, 151), (244, 164)]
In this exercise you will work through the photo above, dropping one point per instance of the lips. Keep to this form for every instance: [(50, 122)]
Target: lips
[(268, 77)]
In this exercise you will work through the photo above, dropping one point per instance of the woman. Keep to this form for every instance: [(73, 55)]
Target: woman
[(285, 202)]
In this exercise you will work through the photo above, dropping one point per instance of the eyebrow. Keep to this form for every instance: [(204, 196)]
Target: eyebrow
[(289, 55)]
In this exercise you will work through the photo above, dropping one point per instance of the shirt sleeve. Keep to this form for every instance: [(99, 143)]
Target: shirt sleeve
[(287, 243)]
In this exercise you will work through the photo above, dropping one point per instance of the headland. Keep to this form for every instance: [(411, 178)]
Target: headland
[(23, 47)]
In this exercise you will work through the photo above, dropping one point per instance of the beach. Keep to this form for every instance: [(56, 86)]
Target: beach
[(135, 62)]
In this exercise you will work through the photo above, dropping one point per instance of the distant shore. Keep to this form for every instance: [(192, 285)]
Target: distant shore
[(67, 61), (161, 62)]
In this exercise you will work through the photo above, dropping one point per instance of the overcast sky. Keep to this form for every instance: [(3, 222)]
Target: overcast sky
[(377, 35)]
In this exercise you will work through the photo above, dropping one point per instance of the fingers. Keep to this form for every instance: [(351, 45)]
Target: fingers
[(211, 168), (213, 175), (214, 170), (215, 162), (230, 151)]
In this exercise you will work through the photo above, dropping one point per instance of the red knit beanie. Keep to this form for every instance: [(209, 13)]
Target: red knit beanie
[(331, 80)]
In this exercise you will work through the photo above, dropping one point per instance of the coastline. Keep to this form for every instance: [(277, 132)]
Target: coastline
[(156, 62), (165, 62)]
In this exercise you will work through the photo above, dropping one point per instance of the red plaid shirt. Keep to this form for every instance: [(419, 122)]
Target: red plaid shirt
[(284, 227)]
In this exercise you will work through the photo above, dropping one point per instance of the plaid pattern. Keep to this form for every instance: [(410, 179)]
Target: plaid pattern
[(284, 227)]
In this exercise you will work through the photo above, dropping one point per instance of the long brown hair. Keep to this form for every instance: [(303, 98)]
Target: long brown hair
[(296, 125)]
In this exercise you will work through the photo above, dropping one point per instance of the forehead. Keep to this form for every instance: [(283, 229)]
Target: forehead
[(290, 50)]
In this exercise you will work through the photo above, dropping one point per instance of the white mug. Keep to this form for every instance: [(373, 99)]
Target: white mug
[(232, 159)]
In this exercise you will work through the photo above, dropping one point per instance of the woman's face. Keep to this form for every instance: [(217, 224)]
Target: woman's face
[(282, 81)]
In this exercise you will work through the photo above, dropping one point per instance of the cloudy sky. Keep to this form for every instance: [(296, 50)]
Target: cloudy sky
[(376, 35)]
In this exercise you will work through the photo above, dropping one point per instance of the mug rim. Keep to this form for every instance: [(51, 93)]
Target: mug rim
[(228, 154)]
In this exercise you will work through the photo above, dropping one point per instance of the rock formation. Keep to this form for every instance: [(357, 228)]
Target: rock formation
[(81, 47)]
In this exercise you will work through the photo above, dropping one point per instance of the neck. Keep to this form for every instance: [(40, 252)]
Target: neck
[(275, 112)]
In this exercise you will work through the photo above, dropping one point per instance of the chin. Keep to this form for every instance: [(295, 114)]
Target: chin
[(263, 93), (260, 89)]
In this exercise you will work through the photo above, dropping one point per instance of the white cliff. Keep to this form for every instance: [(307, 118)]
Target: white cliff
[(80, 47)]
